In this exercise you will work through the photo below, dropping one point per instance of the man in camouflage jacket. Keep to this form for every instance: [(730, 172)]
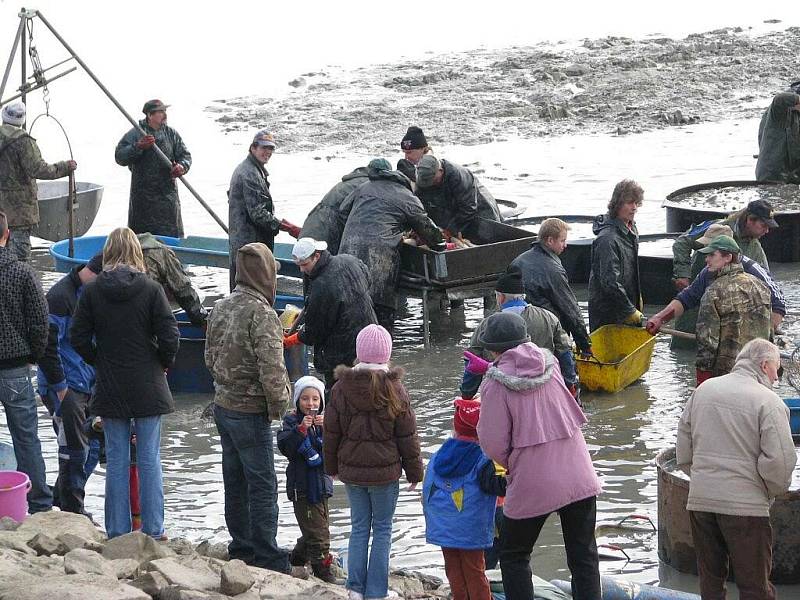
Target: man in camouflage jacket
[(244, 352), (21, 165), (734, 310), (165, 268)]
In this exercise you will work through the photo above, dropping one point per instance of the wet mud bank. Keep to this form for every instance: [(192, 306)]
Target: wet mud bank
[(611, 85)]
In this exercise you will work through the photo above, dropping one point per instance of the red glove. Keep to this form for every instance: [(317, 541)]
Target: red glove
[(291, 340), (291, 229), (145, 142), (177, 170), (701, 375), (475, 364)]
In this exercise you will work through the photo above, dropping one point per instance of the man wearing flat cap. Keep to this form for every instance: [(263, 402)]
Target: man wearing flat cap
[(21, 165), (251, 212), (154, 204), (734, 310), (453, 197), (749, 225)]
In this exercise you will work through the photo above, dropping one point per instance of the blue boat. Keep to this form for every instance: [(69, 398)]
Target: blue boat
[(189, 374), (192, 250)]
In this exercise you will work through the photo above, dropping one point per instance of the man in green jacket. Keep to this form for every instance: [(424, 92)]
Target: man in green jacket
[(21, 165), (244, 352), (154, 204)]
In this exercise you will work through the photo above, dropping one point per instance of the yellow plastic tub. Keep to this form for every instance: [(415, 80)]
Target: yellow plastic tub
[(621, 355)]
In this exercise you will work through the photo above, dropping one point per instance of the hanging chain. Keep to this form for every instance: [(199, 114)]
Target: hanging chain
[(38, 73)]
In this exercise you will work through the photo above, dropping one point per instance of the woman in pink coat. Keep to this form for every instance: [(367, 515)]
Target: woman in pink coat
[(531, 425)]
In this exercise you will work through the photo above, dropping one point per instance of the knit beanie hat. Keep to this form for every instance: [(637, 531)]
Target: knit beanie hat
[(379, 164), (510, 282), (309, 382), (413, 139), (465, 419), (14, 114), (373, 345), (504, 330)]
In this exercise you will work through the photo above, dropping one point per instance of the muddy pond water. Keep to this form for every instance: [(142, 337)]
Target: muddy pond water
[(569, 175)]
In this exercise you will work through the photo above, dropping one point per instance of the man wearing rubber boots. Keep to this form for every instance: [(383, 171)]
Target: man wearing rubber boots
[(615, 294), (251, 212), (734, 435), (154, 203), (21, 165), (734, 310), (65, 385)]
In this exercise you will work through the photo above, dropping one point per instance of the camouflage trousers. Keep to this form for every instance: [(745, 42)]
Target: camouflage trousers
[(20, 242)]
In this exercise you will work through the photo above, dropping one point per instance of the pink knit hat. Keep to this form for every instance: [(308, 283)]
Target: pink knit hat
[(373, 345)]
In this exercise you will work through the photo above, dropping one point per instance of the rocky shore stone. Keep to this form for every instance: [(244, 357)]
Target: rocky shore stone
[(44, 545), (194, 576), (235, 578), (106, 571), (71, 587), (80, 561), (135, 545)]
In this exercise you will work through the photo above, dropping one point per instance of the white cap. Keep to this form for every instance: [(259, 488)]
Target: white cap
[(306, 246), (14, 114)]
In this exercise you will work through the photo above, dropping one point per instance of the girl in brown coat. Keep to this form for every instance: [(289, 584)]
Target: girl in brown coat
[(370, 438)]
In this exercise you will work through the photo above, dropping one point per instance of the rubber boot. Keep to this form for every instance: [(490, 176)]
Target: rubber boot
[(322, 570)]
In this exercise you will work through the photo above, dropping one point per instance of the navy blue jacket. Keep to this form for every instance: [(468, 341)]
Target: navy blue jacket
[(61, 366), (302, 479), (690, 297)]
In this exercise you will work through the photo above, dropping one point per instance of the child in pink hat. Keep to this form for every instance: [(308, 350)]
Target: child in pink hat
[(370, 439)]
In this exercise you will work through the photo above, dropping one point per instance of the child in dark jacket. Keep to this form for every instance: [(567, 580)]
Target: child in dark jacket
[(300, 440), (459, 494)]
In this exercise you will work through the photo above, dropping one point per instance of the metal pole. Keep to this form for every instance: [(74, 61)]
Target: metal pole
[(20, 31), (133, 122), (37, 86), (71, 198), (24, 62)]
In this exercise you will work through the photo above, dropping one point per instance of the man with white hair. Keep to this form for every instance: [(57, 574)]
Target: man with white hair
[(21, 165), (734, 434), (337, 305)]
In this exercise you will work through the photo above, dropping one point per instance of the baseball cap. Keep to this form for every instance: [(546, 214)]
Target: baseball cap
[(427, 169), (265, 138), (154, 105), (721, 242), (763, 210), (306, 246), (713, 231)]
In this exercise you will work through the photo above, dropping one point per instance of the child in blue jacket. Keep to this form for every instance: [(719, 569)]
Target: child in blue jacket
[(300, 440), (458, 497)]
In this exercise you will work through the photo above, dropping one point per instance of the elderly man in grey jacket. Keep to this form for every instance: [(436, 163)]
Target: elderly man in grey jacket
[(735, 434)]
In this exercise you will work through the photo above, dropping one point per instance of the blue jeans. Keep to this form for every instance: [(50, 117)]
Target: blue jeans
[(16, 395), (251, 489), (371, 510), (117, 434)]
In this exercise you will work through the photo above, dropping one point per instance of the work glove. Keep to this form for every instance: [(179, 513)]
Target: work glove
[(143, 143), (656, 322), (475, 364), (177, 170), (291, 229), (701, 375), (635, 318), (291, 340), (71, 165), (575, 390)]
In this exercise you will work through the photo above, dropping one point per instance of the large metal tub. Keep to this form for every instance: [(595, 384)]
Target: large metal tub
[(54, 208), (655, 267), (780, 245), (499, 245), (675, 546)]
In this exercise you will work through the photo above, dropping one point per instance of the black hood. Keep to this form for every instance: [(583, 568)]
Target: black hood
[(602, 222), (120, 284)]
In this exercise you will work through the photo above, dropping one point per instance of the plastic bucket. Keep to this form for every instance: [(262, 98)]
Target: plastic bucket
[(794, 414), (14, 488)]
